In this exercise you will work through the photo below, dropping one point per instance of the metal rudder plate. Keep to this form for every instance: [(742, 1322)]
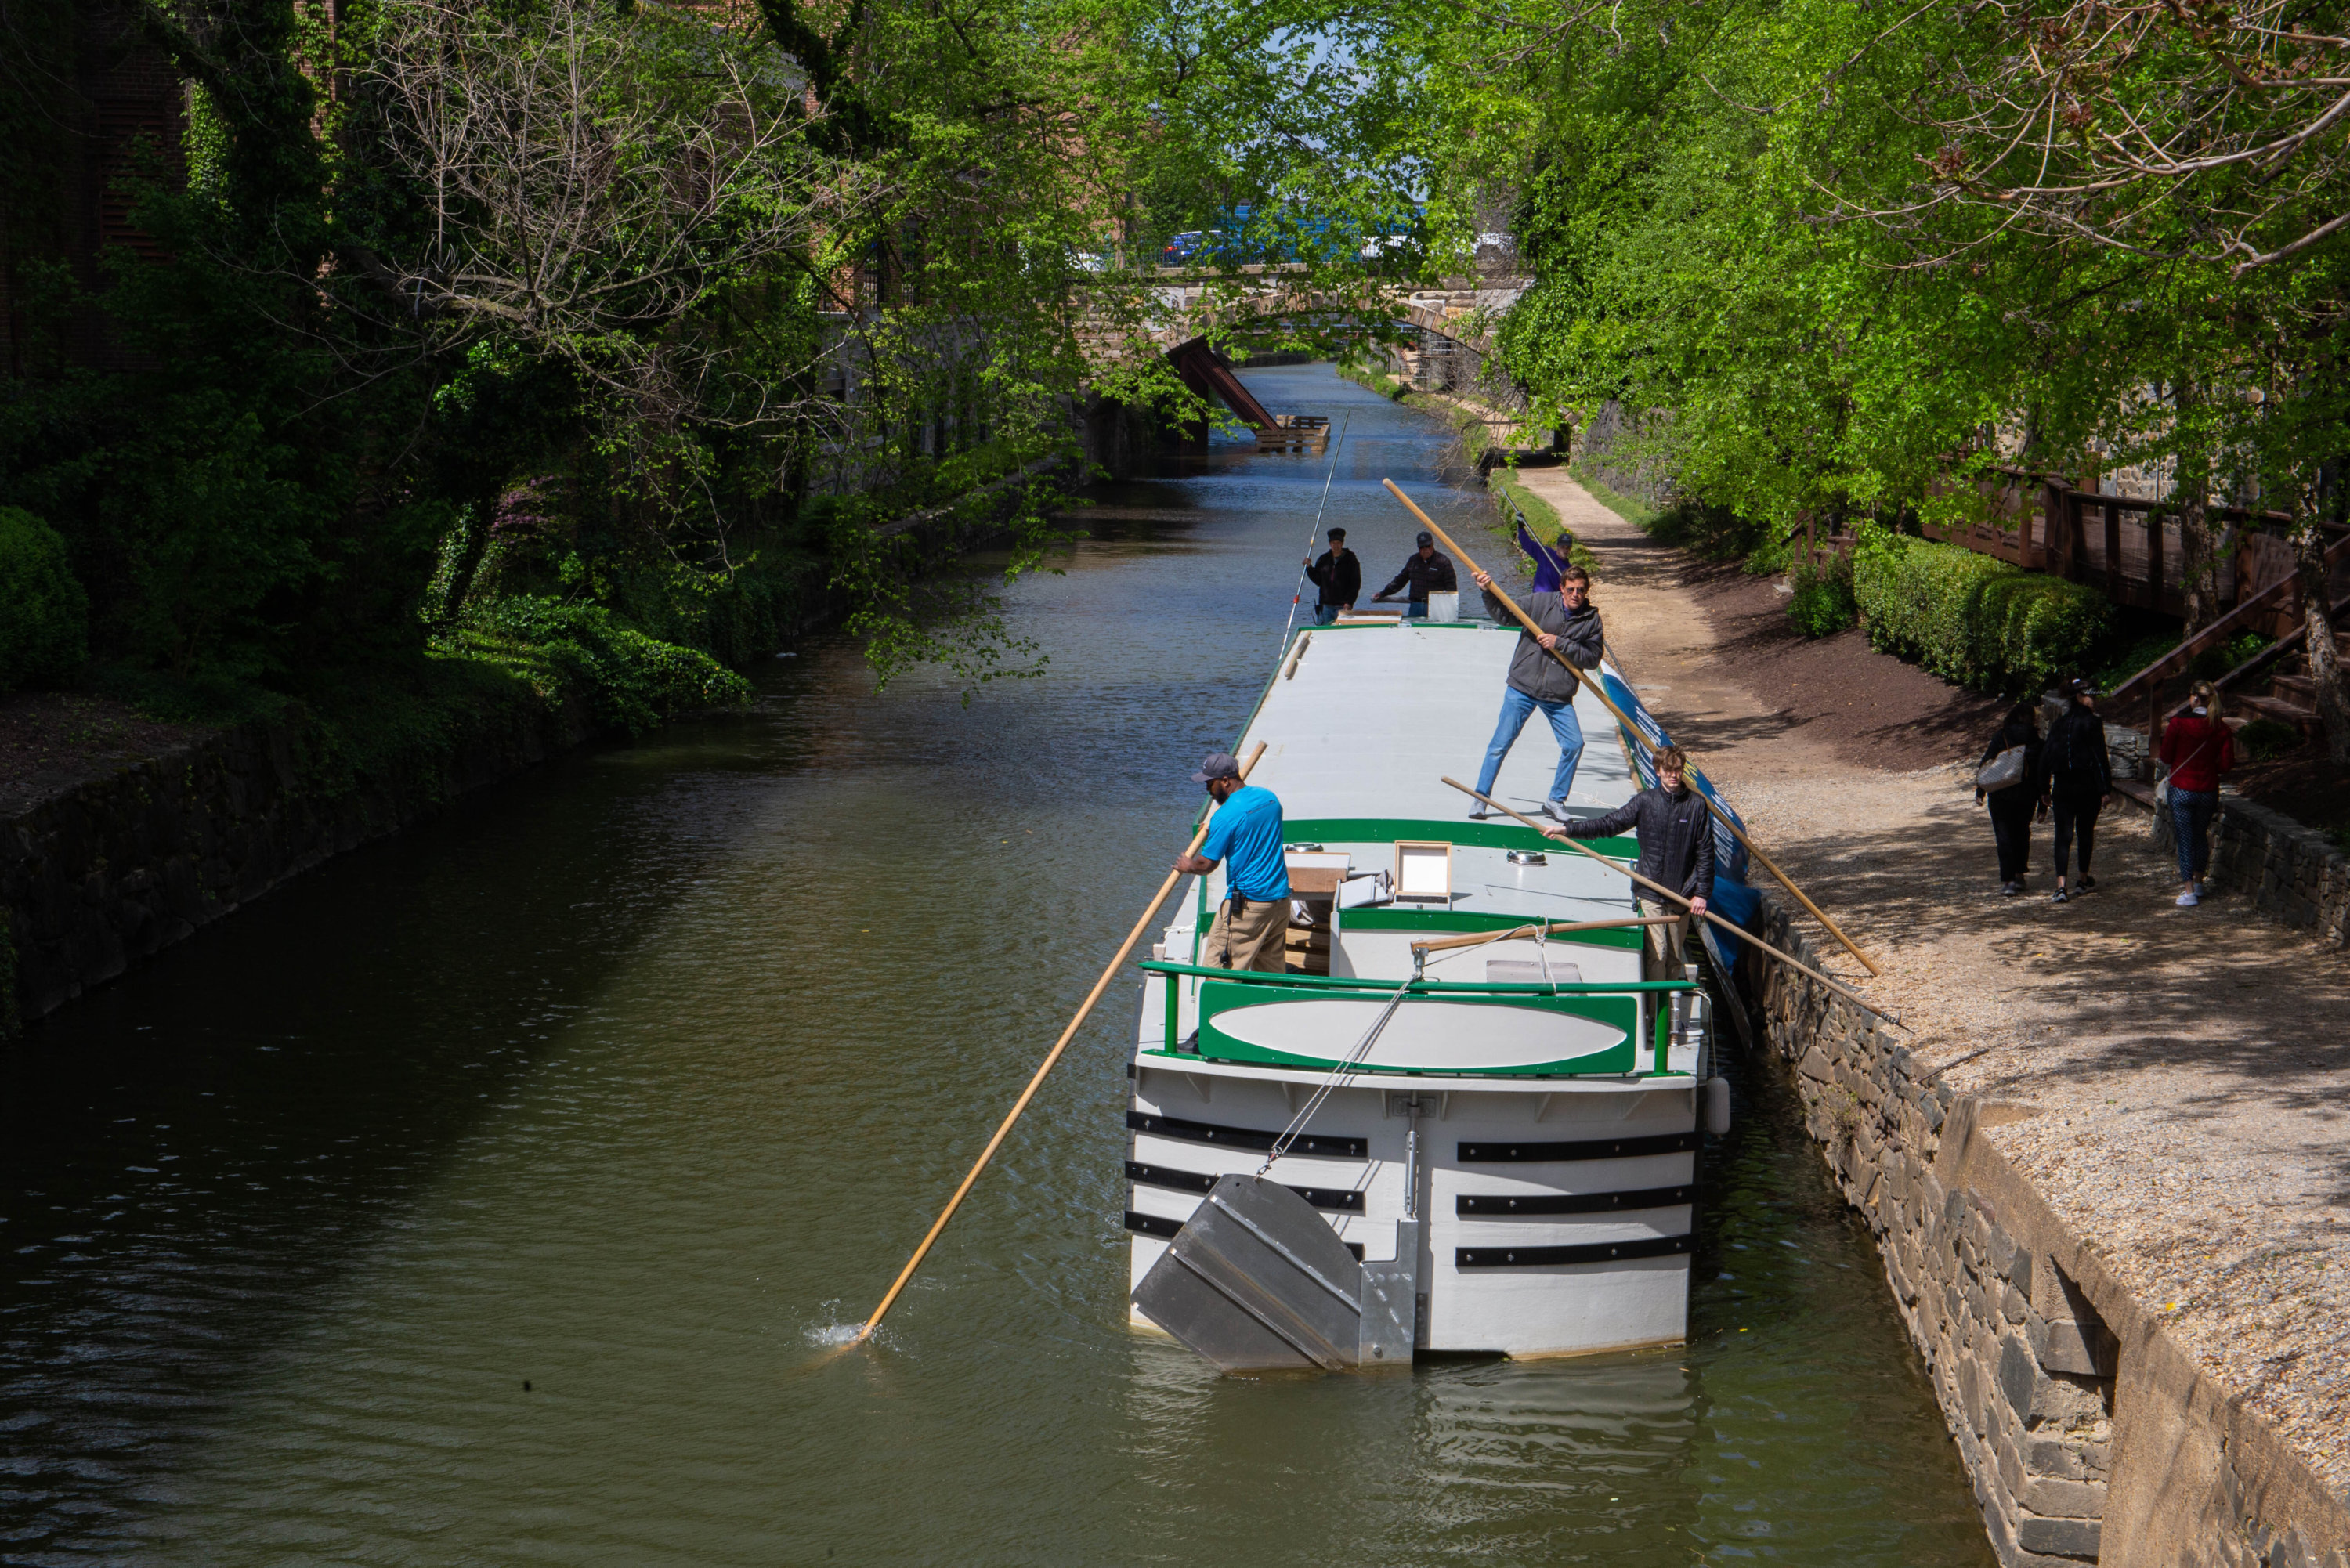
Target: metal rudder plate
[(1256, 1280), (1391, 1314)]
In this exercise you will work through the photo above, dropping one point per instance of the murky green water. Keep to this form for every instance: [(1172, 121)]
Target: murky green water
[(626, 1080)]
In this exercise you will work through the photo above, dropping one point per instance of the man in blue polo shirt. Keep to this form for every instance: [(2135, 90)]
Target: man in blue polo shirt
[(1252, 927)]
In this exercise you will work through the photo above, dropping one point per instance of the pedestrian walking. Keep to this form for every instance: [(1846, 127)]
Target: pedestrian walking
[(2196, 748), (1537, 680), (2077, 780), (1676, 835), (1252, 925), (1339, 577), (2008, 777)]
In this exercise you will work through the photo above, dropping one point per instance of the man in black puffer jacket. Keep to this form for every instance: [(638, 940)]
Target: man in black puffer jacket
[(1676, 835)]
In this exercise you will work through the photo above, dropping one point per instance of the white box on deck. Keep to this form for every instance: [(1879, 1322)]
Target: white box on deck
[(1423, 870)]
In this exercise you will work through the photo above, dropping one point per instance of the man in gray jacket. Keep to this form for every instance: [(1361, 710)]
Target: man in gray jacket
[(1536, 680)]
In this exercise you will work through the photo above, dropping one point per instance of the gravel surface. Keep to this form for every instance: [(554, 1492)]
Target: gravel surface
[(2172, 1080), (52, 741)]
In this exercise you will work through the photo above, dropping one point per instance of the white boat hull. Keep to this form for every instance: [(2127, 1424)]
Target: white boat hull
[(1505, 1305)]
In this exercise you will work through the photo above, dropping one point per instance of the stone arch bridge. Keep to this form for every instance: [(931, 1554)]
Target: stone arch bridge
[(1446, 346)]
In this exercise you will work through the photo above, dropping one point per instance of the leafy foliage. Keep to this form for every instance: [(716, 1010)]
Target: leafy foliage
[(564, 650), (44, 631), (1837, 264), (1970, 618), (686, 323), (1823, 602), (2214, 662), (2265, 737)]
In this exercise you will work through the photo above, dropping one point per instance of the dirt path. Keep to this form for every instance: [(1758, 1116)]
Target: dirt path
[(2177, 1077), (52, 741)]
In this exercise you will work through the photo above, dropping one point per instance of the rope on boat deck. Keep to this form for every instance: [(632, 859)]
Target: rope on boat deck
[(1354, 1059)]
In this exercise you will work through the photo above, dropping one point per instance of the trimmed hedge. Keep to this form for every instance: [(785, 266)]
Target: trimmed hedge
[(44, 615), (1973, 619)]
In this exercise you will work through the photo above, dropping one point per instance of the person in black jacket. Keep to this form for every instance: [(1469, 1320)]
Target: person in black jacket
[(1427, 569), (2012, 807), (2076, 779), (1536, 680), (1339, 575), (1676, 835)]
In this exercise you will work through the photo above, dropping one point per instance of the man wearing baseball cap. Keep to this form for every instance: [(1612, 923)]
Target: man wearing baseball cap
[(1339, 575), (1253, 922), (1427, 570)]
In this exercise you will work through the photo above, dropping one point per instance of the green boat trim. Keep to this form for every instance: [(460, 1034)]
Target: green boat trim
[(1620, 1014), (1419, 987), (1456, 831), (1455, 922)]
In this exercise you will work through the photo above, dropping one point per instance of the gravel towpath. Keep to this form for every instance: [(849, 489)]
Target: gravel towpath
[(2174, 1080)]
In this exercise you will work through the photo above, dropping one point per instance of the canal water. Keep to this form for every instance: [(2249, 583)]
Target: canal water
[(484, 1196)]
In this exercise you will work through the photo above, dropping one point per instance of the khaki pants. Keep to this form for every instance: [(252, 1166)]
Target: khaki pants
[(1665, 941), (1257, 939)]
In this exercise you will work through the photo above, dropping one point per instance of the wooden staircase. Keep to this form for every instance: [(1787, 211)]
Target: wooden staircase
[(2291, 696), (2160, 685)]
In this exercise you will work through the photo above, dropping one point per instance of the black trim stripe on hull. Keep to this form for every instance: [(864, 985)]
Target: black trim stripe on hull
[(1587, 1253), (1589, 1148), (1245, 1137), (1506, 1205), (1335, 1199), (1165, 1230)]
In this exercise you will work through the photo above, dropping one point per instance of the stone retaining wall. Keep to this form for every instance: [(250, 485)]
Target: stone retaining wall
[(2088, 1433), (2295, 874), (101, 876)]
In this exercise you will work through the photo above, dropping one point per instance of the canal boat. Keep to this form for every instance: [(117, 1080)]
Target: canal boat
[(1499, 1122)]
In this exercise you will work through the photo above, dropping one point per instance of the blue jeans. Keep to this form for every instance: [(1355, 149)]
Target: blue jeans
[(1416, 610), (2191, 824), (1516, 709), (1324, 614)]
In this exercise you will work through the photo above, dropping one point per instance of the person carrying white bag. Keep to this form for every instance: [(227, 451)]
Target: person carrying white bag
[(2006, 777)]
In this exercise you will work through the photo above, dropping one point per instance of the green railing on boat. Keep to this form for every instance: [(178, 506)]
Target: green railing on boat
[(1364, 982), (1643, 988)]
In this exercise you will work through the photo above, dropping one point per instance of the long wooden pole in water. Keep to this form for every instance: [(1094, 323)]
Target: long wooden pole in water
[(1798, 965), (1044, 1067), (1634, 730)]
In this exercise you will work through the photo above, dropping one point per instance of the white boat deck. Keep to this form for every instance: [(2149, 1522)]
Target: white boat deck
[(1375, 717)]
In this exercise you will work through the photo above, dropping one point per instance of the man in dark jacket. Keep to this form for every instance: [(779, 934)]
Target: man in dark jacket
[(1427, 570), (1675, 830), (1339, 575), (1536, 680), (2076, 779)]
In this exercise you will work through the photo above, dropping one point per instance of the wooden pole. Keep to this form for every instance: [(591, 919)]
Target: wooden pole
[(1662, 891), (1038, 1080), (1439, 944), (1634, 730)]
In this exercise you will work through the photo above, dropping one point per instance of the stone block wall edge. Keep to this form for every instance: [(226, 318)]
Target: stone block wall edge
[(2087, 1432)]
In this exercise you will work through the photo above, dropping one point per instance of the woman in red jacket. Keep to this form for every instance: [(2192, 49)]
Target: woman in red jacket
[(2196, 748)]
